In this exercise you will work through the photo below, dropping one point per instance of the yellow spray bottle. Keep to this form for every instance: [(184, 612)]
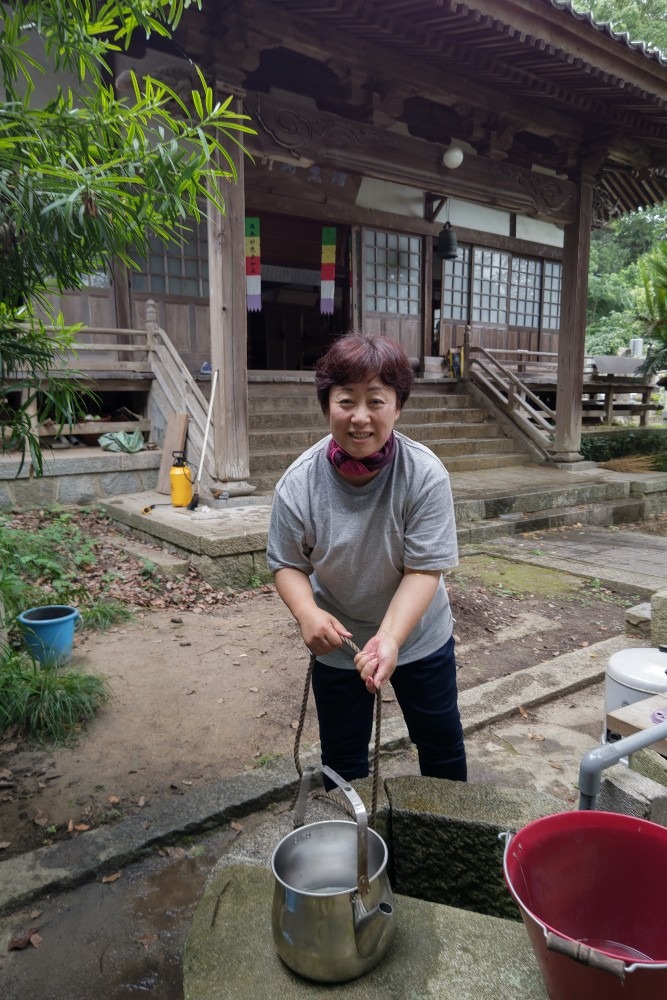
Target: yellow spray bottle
[(180, 480)]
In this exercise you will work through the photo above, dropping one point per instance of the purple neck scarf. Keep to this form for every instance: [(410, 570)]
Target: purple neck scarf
[(350, 466)]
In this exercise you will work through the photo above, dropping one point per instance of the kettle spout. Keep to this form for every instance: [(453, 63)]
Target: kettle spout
[(370, 926)]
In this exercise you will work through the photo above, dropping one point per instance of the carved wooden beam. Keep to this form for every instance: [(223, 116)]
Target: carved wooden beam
[(271, 27), (303, 134)]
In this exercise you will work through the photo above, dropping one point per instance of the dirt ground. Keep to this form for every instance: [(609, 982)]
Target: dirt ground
[(208, 692)]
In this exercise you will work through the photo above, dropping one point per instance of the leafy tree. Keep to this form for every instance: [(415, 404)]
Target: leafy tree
[(644, 20), (615, 286), (654, 319), (86, 178)]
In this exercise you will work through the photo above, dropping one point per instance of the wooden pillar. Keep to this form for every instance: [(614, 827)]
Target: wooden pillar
[(571, 346), (229, 333)]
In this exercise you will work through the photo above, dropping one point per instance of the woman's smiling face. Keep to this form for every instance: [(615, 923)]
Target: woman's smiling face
[(362, 416)]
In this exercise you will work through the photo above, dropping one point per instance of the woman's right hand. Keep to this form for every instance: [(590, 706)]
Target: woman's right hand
[(321, 631)]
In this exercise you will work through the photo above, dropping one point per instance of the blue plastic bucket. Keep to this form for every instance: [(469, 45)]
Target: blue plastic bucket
[(48, 632)]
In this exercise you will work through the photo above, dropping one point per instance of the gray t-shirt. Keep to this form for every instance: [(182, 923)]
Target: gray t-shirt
[(355, 541)]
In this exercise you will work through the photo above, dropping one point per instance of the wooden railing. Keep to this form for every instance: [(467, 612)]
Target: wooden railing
[(175, 390), (523, 384), (504, 386), (98, 350)]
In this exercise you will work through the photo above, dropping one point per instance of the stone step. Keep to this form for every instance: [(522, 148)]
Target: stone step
[(309, 403), (528, 503), (490, 460), (274, 420), (266, 480), (455, 447), (286, 419), (429, 434), (602, 514), (279, 458)]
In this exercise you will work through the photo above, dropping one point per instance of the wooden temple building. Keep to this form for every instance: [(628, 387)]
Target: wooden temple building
[(384, 127)]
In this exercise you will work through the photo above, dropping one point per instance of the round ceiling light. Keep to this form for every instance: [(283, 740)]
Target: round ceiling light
[(453, 157)]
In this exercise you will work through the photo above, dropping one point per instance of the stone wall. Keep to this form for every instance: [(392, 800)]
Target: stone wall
[(80, 476)]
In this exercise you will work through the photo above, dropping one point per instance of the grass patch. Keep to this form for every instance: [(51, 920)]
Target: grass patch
[(40, 567), (267, 759), (46, 703), (104, 614)]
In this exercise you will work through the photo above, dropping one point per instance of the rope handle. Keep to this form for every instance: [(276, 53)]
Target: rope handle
[(378, 724)]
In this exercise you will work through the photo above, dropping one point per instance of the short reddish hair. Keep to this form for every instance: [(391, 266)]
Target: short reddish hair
[(358, 357)]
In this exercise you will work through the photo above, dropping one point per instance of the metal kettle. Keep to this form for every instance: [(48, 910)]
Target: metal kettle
[(333, 909)]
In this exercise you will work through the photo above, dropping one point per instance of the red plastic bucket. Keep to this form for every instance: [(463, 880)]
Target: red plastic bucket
[(590, 886)]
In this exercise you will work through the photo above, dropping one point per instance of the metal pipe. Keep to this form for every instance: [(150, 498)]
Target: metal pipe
[(595, 761)]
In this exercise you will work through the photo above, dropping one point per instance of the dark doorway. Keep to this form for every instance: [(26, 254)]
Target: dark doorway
[(290, 332)]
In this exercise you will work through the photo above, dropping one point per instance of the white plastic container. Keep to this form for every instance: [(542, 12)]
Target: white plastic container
[(634, 674)]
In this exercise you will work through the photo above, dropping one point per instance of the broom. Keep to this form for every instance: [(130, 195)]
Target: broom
[(195, 495)]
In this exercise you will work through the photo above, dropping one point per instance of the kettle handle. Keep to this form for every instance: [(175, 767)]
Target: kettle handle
[(363, 885)]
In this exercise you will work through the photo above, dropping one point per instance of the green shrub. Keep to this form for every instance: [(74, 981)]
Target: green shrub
[(46, 703), (605, 445)]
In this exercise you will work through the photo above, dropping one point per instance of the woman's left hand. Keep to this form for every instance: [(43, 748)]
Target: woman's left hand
[(377, 661)]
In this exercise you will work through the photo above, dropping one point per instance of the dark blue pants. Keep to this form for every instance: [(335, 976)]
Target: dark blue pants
[(426, 692)]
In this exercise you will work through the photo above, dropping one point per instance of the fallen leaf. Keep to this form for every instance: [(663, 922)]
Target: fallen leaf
[(584, 643), (35, 914), (141, 802), (35, 939), (536, 737), (255, 690), (147, 940), (81, 827), (111, 878), (175, 852), (113, 800), (185, 781), (40, 819), (236, 826), (4, 844), (22, 939), (523, 712), (70, 826)]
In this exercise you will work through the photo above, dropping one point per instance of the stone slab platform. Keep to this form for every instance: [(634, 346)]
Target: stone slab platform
[(438, 952), (226, 543)]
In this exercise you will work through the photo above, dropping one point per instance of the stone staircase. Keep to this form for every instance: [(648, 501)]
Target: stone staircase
[(595, 500), (284, 421)]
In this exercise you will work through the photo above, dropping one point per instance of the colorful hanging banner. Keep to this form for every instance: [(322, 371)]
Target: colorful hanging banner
[(328, 274), (253, 267)]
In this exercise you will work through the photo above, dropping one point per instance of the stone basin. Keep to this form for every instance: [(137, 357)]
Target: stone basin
[(458, 933)]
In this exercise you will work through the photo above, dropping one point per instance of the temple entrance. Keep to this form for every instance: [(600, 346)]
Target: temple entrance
[(290, 331)]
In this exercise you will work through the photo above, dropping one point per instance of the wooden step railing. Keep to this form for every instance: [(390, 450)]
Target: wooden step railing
[(149, 352), (503, 385), (175, 391)]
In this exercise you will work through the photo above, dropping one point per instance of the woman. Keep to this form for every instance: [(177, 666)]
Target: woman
[(361, 527)]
